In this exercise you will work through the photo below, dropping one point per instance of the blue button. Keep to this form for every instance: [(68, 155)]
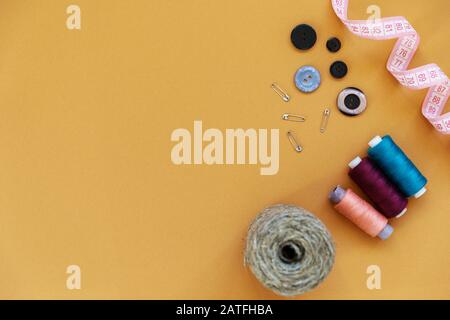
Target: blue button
[(307, 79)]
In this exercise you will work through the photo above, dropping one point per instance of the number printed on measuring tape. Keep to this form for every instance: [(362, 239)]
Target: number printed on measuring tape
[(428, 76)]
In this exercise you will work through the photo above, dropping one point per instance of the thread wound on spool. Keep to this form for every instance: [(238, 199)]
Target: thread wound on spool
[(398, 167), (384, 194), (289, 250), (361, 213)]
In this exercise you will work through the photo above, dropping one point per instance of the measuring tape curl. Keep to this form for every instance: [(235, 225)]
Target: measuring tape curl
[(427, 76)]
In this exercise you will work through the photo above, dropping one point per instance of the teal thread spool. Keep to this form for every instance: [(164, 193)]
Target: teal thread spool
[(397, 166)]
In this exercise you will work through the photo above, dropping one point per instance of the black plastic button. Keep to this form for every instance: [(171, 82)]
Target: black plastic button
[(303, 37), (352, 101), (333, 44), (338, 69)]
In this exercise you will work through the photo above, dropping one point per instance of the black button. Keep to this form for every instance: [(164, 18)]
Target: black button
[(352, 101), (303, 37), (338, 69), (333, 44)]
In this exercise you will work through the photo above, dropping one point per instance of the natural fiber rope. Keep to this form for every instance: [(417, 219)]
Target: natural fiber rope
[(289, 250)]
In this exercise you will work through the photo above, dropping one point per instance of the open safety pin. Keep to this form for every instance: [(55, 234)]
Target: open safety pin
[(294, 142), (293, 117)]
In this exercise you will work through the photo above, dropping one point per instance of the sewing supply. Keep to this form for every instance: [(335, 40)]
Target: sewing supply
[(428, 76), (289, 250), (386, 197), (362, 214), (333, 44), (351, 101), (338, 69), (397, 166), (297, 147), (303, 37), (325, 117), (307, 79), (280, 92), (293, 117)]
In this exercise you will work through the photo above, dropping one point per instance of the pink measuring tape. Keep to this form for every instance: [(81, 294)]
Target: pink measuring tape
[(427, 76)]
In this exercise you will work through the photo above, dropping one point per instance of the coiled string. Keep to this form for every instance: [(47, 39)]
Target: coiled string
[(384, 194), (397, 166), (289, 250)]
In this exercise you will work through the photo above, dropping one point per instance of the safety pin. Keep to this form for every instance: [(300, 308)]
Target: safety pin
[(293, 141), (293, 117), (325, 117), (280, 92)]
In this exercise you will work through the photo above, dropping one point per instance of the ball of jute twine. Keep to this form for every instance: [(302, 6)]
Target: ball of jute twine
[(289, 250)]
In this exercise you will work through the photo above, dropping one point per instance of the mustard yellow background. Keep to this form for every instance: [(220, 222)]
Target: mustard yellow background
[(85, 171)]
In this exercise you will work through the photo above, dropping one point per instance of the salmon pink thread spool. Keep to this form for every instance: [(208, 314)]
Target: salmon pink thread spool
[(386, 197), (361, 213)]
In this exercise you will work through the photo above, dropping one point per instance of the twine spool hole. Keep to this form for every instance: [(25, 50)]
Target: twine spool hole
[(291, 252)]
